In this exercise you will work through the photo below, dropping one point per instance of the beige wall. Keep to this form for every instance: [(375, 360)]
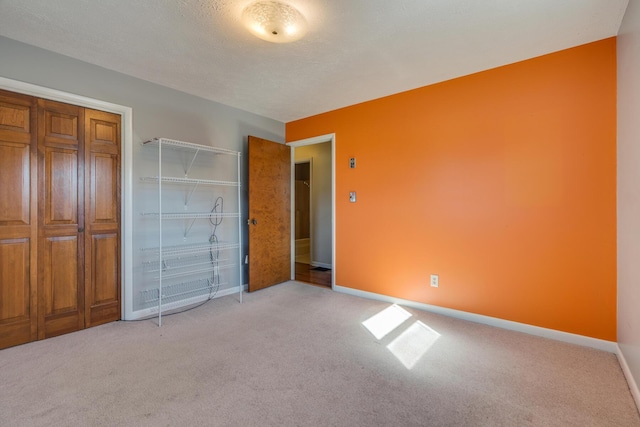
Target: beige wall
[(629, 190)]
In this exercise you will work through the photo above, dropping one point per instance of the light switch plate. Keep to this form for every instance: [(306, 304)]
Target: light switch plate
[(352, 196)]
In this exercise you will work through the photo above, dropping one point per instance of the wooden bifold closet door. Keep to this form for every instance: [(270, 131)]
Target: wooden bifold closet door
[(18, 220), (59, 218)]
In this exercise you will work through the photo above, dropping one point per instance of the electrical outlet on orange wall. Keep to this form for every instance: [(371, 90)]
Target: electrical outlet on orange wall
[(435, 280)]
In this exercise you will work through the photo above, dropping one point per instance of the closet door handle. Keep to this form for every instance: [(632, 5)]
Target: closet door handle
[(80, 230)]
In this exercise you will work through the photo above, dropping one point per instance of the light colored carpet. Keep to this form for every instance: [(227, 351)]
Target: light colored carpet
[(299, 355)]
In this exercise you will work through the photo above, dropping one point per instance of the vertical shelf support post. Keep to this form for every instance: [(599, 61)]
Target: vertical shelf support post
[(160, 233), (240, 267)]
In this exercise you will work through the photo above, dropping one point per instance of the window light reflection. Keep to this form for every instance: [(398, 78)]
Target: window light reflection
[(413, 343), (386, 321)]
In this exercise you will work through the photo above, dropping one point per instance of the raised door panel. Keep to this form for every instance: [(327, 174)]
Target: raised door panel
[(105, 268), (61, 177), (102, 214), (15, 182), (103, 294), (61, 125), (104, 188), (14, 280), (60, 275), (18, 219), (60, 218), (104, 132), (15, 119), (15, 293)]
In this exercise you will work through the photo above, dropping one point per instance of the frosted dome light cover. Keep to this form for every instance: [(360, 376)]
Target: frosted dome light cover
[(274, 21)]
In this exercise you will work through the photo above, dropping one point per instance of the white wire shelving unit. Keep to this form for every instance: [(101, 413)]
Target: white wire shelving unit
[(200, 264)]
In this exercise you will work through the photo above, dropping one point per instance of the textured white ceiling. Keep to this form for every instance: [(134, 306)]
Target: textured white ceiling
[(356, 50)]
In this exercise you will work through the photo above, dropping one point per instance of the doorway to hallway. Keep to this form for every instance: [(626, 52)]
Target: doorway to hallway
[(312, 214)]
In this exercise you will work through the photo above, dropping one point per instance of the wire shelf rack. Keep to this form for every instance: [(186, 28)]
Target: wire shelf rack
[(171, 274), (176, 180), (203, 266), (191, 249), (189, 215), (192, 261), (189, 146), (172, 295)]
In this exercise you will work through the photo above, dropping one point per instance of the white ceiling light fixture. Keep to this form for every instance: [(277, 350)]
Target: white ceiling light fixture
[(274, 21)]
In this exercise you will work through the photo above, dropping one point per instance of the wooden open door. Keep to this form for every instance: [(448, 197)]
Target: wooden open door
[(269, 213)]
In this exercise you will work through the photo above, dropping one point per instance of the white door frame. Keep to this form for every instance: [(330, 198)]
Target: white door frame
[(301, 143), (126, 197)]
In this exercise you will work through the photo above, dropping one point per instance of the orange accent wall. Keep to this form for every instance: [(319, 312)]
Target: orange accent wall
[(502, 182)]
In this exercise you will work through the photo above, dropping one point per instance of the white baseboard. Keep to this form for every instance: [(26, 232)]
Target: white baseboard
[(567, 337), (321, 264), (633, 386)]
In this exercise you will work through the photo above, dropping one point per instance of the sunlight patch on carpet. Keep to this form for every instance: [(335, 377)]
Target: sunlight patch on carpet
[(386, 321), (413, 343)]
